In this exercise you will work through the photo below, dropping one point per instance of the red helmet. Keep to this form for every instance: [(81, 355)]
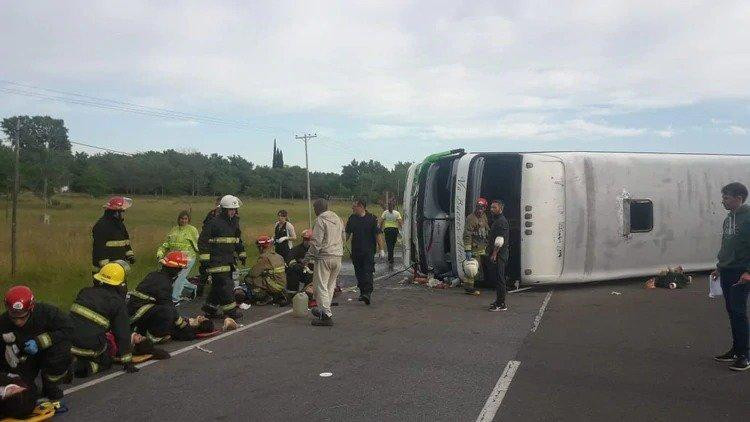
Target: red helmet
[(175, 259), (307, 234), (482, 202), (118, 203), (19, 300), (264, 241)]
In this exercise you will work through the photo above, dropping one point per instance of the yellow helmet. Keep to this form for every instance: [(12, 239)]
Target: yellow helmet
[(112, 274)]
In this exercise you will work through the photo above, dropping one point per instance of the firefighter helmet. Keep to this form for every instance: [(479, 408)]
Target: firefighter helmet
[(118, 203), (175, 259), (264, 241), (307, 234), (471, 268), (19, 301), (482, 202), (230, 202), (112, 274)]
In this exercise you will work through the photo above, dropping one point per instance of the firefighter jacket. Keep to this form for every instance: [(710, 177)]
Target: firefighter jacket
[(155, 289), (297, 254), (111, 241), (47, 325), (95, 311), (475, 233), (220, 244), (269, 273)]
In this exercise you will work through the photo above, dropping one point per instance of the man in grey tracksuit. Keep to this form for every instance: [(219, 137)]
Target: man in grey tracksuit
[(326, 249)]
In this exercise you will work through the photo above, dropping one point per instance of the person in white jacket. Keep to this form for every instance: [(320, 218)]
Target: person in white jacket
[(326, 250)]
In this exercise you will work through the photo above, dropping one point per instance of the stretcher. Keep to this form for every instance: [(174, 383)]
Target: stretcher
[(42, 412), (141, 358)]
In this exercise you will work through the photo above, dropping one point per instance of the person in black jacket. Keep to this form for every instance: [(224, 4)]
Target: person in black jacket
[(36, 338), (297, 276), (220, 245), (95, 311), (111, 238), (362, 227), (497, 249), (150, 306), (203, 279)]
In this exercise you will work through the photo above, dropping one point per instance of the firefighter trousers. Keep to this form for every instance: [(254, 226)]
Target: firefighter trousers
[(90, 355), (53, 363), (157, 323), (221, 295)]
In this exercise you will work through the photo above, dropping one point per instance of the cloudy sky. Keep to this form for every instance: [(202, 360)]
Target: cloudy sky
[(392, 81)]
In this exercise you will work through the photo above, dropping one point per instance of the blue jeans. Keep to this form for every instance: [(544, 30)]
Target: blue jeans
[(735, 299), (182, 282)]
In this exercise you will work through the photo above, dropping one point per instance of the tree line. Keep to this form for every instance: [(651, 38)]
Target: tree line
[(49, 165)]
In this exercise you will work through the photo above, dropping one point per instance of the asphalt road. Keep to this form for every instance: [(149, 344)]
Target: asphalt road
[(429, 354)]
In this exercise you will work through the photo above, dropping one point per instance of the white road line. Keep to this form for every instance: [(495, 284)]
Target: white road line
[(176, 352), (498, 393), (538, 318), (521, 289)]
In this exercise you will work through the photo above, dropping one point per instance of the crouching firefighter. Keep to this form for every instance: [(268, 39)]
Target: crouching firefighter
[(298, 275), (267, 279), (111, 238), (37, 338), (150, 306), (96, 311), (220, 245)]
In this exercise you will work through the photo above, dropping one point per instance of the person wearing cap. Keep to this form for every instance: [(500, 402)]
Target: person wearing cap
[(36, 337), (475, 240), (152, 312), (267, 278), (220, 246), (184, 238), (111, 238), (95, 311), (297, 274)]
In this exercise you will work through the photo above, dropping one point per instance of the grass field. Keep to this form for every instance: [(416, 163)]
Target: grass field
[(55, 259)]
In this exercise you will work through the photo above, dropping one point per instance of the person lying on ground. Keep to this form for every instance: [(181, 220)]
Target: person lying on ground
[(267, 279), (152, 312), (37, 339), (17, 398), (95, 311), (183, 237)]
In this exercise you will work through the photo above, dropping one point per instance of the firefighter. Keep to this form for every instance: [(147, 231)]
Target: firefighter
[(203, 278), (267, 278), (37, 338), (475, 240), (296, 273), (152, 312), (220, 245), (111, 239), (95, 311)]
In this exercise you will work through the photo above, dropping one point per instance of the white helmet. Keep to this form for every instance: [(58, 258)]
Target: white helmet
[(230, 202), (471, 268)]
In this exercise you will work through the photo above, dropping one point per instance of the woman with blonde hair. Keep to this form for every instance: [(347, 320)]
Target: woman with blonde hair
[(182, 237)]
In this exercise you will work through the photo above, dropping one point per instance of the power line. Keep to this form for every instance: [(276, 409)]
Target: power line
[(114, 151)]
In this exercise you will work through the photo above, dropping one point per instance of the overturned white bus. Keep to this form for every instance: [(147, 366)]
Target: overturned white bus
[(574, 216)]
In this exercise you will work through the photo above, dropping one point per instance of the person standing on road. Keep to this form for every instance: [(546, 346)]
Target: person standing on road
[(184, 238), (111, 238), (475, 242), (497, 249), (325, 252), (203, 274), (733, 268), (390, 224), (362, 228), (283, 235), (220, 245)]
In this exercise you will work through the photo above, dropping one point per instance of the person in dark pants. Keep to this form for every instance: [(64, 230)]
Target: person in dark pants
[(734, 269), (362, 228), (203, 273), (497, 248), (390, 224)]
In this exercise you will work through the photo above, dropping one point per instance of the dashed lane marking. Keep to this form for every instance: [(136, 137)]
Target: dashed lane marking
[(538, 318), (498, 393)]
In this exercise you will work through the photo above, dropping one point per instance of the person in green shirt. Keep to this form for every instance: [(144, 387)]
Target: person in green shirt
[(182, 237)]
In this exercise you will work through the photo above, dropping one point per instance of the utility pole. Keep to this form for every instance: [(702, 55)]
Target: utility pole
[(14, 220), (305, 138)]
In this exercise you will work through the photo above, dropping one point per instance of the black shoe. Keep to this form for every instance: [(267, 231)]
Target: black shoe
[(741, 364), (365, 298), (316, 312), (495, 307), (323, 321), (235, 314), (729, 356), (53, 391), (211, 312)]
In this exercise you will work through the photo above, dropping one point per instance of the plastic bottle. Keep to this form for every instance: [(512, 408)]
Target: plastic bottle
[(299, 304)]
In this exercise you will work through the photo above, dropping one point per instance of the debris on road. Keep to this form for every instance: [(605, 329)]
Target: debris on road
[(671, 278), (326, 374), (615, 293), (203, 349)]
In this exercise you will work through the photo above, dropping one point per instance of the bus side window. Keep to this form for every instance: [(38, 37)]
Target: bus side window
[(641, 215)]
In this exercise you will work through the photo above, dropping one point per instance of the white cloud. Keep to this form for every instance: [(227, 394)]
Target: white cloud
[(736, 130), (666, 133)]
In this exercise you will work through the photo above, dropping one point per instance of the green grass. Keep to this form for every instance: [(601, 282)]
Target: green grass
[(55, 259)]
